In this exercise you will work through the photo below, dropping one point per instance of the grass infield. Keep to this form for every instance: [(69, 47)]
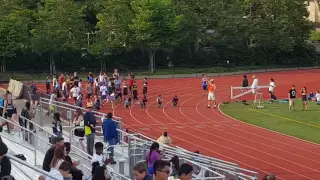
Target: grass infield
[(277, 117)]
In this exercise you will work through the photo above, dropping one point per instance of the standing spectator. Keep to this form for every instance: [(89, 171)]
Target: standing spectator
[(57, 125), (271, 90), (49, 154), (89, 128), (152, 156), (5, 164), (185, 172), (33, 94), (140, 172), (245, 82), (161, 170), (9, 110), (110, 134), (78, 122), (164, 139), (28, 115)]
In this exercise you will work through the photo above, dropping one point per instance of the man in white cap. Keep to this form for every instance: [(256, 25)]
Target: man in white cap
[(254, 87), (211, 94)]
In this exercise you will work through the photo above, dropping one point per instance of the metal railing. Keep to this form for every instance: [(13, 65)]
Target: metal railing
[(67, 112), (34, 168)]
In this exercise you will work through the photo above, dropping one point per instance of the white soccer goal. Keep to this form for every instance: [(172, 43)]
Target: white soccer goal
[(238, 91)]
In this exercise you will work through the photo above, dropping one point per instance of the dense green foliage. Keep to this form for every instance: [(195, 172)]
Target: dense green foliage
[(83, 34)]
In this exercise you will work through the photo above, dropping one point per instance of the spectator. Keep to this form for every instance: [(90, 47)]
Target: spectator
[(140, 172), (27, 115), (269, 177), (98, 158), (89, 128), (33, 94), (161, 170), (185, 172), (101, 173), (174, 166), (52, 103), (110, 134), (9, 110), (78, 122), (245, 82), (152, 157), (164, 139), (58, 156), (75, 173), (49, 154), (5, 164), (61, 173), (57, 125)]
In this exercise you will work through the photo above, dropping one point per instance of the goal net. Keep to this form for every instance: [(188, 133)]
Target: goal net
[(238, 92)]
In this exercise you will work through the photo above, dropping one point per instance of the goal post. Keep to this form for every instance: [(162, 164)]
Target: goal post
[(238, 91)]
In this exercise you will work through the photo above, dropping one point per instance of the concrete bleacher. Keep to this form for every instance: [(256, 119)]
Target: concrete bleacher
[(127, 153)]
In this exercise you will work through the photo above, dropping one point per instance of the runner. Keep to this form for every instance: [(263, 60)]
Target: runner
[(103, 91), (48, 87), (125, 89), (204, 83), (135, 91), (159, 101), (145, 86), (75, 93), (211, 94), (175, 101)]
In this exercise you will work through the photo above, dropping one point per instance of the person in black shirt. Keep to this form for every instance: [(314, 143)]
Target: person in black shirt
[(49, 154), (304, 98), (5, 164), (135, 91), (292, 98), (245, 82)]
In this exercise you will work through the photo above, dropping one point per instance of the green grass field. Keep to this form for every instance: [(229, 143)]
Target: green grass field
[(301, 124)]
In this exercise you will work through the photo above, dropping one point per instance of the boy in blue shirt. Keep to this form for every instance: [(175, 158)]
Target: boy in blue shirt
[(110, 134)]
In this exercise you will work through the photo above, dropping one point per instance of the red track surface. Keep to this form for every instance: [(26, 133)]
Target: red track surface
[(195, 127)]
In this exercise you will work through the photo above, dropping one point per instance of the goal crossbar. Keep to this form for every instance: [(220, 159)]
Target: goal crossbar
[(247, 90)]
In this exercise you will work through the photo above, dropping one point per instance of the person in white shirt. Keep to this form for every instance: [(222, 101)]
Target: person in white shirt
[(64, 90), (103, 91), (101, 77), (60, 173), (75, 92), (254, 87), (271, 89), (318, 97)]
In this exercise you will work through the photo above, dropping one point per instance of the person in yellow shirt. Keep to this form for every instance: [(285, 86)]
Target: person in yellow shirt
[(211, 94), (164, 139)]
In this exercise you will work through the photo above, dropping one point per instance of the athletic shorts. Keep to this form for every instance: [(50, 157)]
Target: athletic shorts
[(254, 91), (205, 87), (211, 96), (104, 97), (291, 101)]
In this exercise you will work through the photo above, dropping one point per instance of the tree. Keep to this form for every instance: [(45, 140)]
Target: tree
[(148, 24), (60, 28)]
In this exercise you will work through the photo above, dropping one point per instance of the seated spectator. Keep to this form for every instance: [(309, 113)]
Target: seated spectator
[(269, 177), (101, 173), (310, 96), (58, 156), (161, 170), (49, 154), (61, 173), (185, 172), (76, 173), (174, 166), (164, 139), (5, 164), (140, 172)]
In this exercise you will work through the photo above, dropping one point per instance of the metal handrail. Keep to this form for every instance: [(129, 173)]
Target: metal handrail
[(45, 173), (72, 106)]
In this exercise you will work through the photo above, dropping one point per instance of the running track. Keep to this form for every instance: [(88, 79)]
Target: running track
[(195, 127)]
